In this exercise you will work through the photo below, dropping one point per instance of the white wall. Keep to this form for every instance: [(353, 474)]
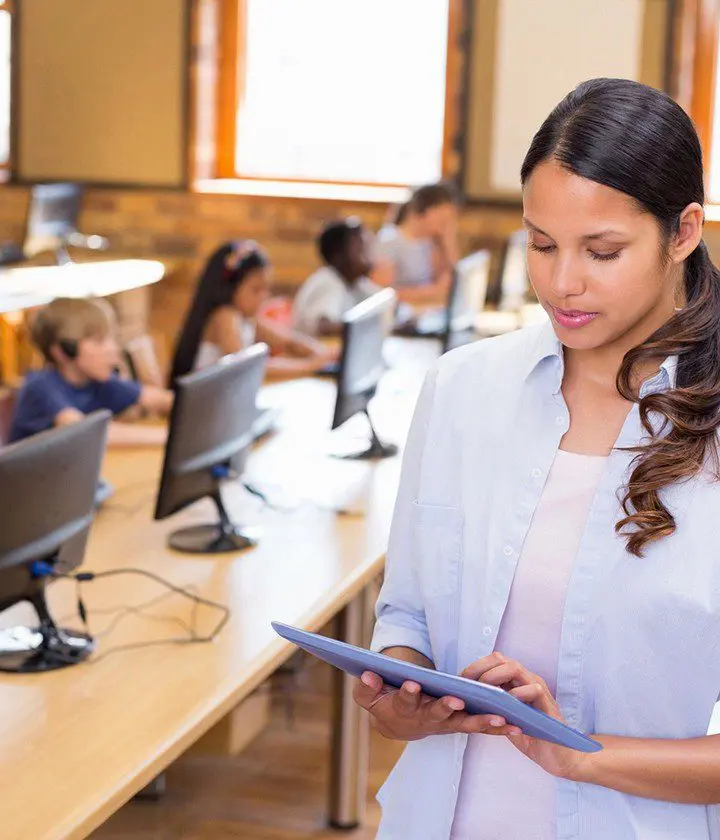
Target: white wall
[(545, 48)]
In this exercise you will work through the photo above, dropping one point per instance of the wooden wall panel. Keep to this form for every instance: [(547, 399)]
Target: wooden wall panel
[(102, 91)]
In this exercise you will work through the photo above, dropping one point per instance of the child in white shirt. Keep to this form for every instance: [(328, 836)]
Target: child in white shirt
[(340, 284)]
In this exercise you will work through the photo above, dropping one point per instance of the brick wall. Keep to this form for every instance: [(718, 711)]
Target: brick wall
[(183, 228)]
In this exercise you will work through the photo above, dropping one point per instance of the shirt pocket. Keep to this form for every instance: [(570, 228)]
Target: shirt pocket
[(438, 537)]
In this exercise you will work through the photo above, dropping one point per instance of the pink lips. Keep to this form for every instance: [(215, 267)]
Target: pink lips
[(573, 319)]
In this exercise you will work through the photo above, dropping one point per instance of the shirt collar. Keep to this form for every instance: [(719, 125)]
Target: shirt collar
[(548, 351)]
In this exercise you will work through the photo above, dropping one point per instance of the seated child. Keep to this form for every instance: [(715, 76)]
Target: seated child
[(224, 318), (340, 284), (76, 338), (421, 246)]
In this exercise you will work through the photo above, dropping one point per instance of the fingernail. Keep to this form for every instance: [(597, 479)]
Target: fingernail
[(455, 704), (367, 680), (496, 722), (412, 688)]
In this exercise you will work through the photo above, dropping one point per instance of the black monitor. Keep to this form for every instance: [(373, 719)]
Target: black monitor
[(52, 216), (211, 429), (47, 493), (362, 365)]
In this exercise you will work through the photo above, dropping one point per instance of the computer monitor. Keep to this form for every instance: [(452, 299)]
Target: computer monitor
[(466, 299), (362, 365), (47, 491), (514, 282), (52, 216), (210, 434)]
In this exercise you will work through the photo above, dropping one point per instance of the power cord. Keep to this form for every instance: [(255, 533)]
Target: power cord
[(190, 628)]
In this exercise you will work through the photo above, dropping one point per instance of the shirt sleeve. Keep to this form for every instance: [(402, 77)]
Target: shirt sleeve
[(38, 404), (117, 394), (325, 300), (400, 612)]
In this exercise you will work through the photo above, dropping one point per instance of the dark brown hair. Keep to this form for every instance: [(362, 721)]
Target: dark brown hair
[(639, 141), (216, 288), (429, 196)]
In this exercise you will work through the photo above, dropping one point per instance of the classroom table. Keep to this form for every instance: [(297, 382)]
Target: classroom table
[(25, 287), (78, 743)]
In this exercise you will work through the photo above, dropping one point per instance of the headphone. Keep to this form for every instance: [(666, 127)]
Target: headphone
[(69, 347)]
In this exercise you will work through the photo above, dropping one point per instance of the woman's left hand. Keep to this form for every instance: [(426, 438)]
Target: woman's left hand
[(510, 675)]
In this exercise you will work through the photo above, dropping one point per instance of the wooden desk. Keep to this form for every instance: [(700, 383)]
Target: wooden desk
[(29, 286), (77, 744), (22, 288)]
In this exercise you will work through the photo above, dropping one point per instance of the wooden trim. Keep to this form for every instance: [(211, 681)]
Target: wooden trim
[(454, 78), (654, 52), (204, 76), (703, 91), (479, 118), (228, 84)]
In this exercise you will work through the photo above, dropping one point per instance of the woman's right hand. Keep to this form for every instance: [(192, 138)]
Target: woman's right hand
[(406, 714)]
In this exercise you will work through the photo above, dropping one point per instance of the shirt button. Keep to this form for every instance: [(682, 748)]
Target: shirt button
[(560, 420), (536, 473), (507, 551), (487, 630)]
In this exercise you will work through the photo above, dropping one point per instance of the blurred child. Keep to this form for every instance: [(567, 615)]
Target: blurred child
[(421, 245), (76, 338), (340, 283), (224, 317)]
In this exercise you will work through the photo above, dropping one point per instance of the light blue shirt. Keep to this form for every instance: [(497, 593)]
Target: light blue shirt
[(640, 636)]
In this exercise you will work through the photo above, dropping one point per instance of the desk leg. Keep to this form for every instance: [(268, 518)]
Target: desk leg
[(350, 728), (155, 790)]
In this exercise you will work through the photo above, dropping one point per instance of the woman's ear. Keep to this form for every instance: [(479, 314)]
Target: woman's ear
[(689, 232)]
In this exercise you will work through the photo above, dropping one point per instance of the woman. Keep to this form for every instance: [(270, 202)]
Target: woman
[(416, 253), (556, 528), (224, 317)]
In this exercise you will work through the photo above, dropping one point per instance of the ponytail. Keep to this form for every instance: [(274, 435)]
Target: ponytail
[(686, 438)]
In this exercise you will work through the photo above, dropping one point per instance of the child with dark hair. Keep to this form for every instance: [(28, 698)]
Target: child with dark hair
[(340, 283), (421, 244), (225, 317)]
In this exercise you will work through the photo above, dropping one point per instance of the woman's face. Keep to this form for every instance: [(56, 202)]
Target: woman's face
[(252, 292), (596, 261)]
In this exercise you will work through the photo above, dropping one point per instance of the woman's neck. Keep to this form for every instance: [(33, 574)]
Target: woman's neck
[(600, 366), (412, 228)]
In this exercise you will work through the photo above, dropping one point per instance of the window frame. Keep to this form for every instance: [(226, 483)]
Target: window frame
[(231, 80), (6, 168), (694, 57)]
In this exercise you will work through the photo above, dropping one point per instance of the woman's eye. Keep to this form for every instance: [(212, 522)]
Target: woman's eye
[(605, 257), (542, 249)]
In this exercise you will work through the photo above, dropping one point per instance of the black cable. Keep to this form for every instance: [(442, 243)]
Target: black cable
[(193, 636)]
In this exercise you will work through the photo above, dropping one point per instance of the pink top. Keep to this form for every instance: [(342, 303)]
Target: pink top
[(502, 793)]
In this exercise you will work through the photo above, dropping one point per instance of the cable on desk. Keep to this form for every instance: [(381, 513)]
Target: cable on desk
[(193, 636)]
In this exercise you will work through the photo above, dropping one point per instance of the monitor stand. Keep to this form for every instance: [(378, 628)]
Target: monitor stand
[(27, 650), (375, 451), (214, 538)]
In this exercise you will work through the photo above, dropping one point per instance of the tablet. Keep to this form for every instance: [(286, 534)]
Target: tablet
[(479, 699)]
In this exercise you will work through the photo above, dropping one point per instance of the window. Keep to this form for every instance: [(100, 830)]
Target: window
[(5, 84), (350, 91)]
